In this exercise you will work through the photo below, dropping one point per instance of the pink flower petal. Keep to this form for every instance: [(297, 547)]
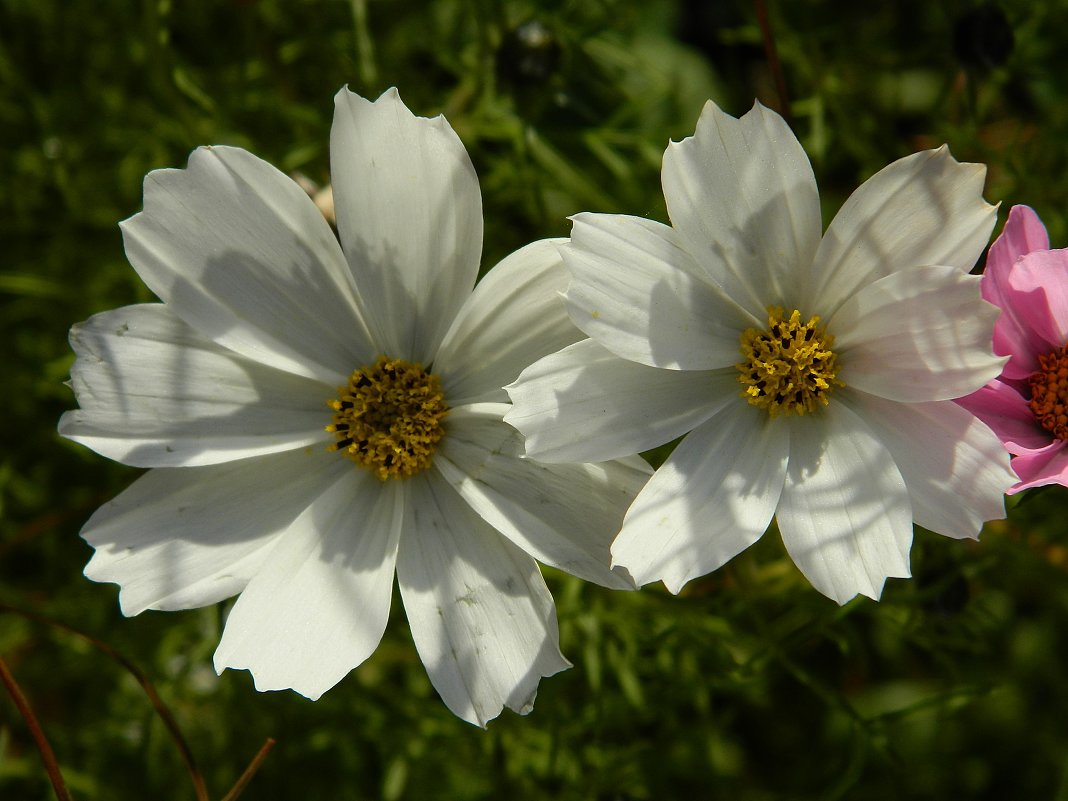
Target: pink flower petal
[(1038, 294), (1022, 234), (1029, 282), (1047, 466), (1013, 334), (1022, 345), (1008, 414)]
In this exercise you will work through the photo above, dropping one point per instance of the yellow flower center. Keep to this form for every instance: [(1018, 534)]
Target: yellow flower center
[(789, 368), (388, 418), (1049, 392)]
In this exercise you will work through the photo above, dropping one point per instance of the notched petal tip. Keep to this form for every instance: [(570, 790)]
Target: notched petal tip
[(516, 420), (581, 218), (709, 111), (975, 171), (626, 576), (674, 584), (390, 98), (96, 570)]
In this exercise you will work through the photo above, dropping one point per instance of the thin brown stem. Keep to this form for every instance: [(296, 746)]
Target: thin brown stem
[(772, 55), (164, 712), (250, 771), (49, 522), (48, 756)]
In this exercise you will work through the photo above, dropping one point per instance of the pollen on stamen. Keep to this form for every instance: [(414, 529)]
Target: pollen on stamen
[(1049, 392), (388, 418), (789, 367)]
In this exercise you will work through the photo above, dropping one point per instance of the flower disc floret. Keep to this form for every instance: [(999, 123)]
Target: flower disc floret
[(389, 418), (1049, 392), (789, 368)]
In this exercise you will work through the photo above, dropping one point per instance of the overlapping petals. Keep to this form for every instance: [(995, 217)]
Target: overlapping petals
[(1005, 408), (920, 334), (236, 250), (644, 297), (1029, 283), (180, 539), (318, 605), (1013, 335), (586, 404), (700, 509), (669, 310), (481, 616), (155, 394), (409, 214), (513, 318), (952, 467), (920, 210), (741, 193), (540, 507), (845, 516), (225, 385)]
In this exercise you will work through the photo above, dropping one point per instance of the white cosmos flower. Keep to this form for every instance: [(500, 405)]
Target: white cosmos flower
[(224, 388), (839, 421)]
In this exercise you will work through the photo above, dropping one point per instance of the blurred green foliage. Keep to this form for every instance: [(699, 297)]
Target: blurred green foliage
[(748, 686)]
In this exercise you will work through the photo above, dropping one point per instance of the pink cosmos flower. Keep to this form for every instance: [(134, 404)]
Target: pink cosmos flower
[(1027, 405)]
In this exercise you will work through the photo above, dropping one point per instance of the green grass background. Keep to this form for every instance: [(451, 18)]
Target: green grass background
[(750, 685)]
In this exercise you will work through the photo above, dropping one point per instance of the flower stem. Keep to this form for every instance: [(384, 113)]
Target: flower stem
[(772, 54), (48, 756), (164, 712), (250, 771)]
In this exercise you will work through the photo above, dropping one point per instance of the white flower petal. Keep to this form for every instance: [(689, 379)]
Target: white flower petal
[(711, 499), (155, 394), (242, 254), (564, 515), (923, 209), (481, 617), (955, 468), (180, 538), (920, 334), (585, 404), (844, 513), (513, 318), (409, 214), (742, 193), (319, 604), (638, 293)]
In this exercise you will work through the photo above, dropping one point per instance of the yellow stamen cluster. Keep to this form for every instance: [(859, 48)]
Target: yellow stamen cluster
[(388, 418), (1049, 392), (789, 368)]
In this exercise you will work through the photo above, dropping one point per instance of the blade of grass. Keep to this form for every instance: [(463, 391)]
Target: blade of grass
[(365, 53)]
